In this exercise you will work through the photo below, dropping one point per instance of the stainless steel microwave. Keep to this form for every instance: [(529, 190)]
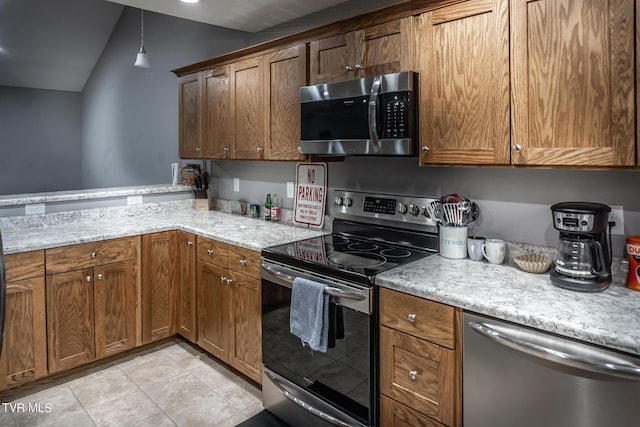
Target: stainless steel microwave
[(373, 116)]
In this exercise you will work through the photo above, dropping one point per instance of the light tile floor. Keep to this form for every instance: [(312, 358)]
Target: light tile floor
[(173, 384)]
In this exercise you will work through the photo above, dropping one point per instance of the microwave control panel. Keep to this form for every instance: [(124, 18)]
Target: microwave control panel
[(397, 121)]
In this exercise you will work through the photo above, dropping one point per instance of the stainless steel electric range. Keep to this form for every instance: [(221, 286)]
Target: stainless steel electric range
[(372, 233)]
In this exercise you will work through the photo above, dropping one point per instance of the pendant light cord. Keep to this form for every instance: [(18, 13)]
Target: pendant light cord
[(141, 28)]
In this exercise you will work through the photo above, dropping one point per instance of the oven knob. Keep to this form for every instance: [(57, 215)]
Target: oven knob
[(425, 211), (402, 208), (338, 201), (347, 201), (414, 210)]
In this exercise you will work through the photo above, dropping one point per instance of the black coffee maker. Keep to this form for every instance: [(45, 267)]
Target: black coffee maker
[(584, 254)]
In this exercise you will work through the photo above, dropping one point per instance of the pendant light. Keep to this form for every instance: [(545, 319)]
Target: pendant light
[(142, 61)]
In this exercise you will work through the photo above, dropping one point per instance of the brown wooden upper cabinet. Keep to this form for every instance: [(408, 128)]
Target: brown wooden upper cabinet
[(572, 82), (247, 109), (190, 116), (217, 129), (285, 72), (462, 55), (379, 49)]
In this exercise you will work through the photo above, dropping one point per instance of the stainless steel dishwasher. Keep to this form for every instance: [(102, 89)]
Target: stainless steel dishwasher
[(518, 376)]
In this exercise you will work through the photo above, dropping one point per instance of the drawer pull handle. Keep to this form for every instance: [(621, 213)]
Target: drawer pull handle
[(210, 251), (100, 276), (411, 318), (243, 262), (94, 254), (413, 374)]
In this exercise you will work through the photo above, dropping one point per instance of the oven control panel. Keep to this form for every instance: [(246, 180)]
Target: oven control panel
[(382, 208)]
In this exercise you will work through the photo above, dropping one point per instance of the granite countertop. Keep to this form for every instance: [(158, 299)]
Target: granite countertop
[(608, 318)]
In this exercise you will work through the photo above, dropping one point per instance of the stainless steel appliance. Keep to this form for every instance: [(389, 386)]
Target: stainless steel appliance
[(517, 376), (369, 116), (3, 292), (371, 233), (584, 252)]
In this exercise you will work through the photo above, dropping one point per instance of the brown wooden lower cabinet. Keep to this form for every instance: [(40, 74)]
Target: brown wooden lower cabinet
[(158, 295), (90, 314), (419, 362), (24, 350), (229, 310), (186, 313)]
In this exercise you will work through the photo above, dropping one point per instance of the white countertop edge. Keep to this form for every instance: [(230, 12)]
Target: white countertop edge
[(98, 193)]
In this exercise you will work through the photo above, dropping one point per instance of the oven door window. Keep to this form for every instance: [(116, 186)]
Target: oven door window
[(342, 375)]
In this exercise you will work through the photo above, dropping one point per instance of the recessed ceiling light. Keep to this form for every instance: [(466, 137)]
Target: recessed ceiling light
[(190, 1)]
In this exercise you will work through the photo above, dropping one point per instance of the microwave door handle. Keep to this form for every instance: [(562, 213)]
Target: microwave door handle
[(373, 107)]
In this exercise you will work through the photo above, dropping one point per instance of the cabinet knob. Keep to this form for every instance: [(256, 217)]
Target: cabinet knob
[(94, 254), (259, 149), (358, 67), (348, 68), (517, 148), (222, 279), (413, 374), (88, 278), (229, 281), (190, 243), (411, 318), (425, 149), (210, 251), (198, 149), (243, 262), (100, 277), (225, 149)]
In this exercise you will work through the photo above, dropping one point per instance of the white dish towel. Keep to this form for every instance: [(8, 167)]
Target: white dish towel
[(309, 315)]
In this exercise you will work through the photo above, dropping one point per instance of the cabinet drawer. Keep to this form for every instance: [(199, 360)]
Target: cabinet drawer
[(419, 317), (88, 255), (244, 261), (212, 251), (395, 414), (418, 374), (23, 266)]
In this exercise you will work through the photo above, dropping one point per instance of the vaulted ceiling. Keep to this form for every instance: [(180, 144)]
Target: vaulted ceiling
[(54, 44)]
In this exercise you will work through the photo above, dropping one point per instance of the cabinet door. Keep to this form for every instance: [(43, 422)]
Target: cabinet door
[(418, 374), (384, 48), (190, 116), (114, 293), (70, 328), (247, 108), (158, 286), (217, 133), (285, 73), (213, 310), (246, 324), (333, 59), (462, 55), (186, 280), (24, 347), (572, 82)]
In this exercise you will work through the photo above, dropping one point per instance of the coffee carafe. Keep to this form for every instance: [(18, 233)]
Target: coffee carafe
[(584, 254)]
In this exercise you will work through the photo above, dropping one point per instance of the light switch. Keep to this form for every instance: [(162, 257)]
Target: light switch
[(34, 209), (236, 184)]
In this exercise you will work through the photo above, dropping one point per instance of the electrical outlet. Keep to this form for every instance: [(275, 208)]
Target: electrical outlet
[(236, 184), (617, 215), (134, 200), (34, 209), (290, 190)]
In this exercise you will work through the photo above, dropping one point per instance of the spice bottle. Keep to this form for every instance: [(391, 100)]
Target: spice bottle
[(267, 208), (275, 209)]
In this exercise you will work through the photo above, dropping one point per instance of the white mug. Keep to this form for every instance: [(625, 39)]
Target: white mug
[(494, 250), (474, 247)]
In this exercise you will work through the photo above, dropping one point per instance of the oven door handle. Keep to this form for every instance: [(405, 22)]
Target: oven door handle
[(329, 290), (304, 405)]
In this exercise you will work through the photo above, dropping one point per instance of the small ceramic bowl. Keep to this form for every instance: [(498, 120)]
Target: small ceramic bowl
[(533, 263)]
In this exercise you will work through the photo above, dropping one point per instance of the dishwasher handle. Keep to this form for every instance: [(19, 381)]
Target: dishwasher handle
[(560, 351)]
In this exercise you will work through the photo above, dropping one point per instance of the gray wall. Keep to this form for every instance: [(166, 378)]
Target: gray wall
[(514, 203), (40, 140), (130, 115)]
